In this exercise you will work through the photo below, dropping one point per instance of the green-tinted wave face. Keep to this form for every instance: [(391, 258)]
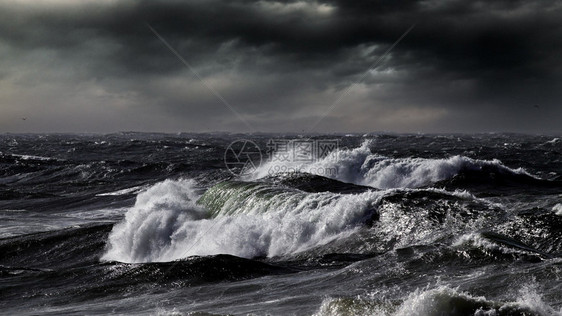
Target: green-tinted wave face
[(236, 197), (280, 190)]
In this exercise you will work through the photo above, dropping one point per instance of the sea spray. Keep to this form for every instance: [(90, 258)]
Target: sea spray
[(145, 232), (246, 220)]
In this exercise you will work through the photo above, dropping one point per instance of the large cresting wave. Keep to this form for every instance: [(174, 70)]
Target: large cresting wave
[(243, 219)]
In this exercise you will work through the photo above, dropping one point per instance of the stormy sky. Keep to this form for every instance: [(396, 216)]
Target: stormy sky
[(281, 66)]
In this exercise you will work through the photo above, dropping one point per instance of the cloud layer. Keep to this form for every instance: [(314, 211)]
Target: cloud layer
[(95, 66)]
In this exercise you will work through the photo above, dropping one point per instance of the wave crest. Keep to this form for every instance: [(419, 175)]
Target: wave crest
[(360, 166)]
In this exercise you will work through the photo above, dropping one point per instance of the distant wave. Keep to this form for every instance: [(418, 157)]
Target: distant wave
[(362, 167)]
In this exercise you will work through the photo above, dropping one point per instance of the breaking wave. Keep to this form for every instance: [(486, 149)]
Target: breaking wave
[(171, 221), (362, 167), (167, 223)]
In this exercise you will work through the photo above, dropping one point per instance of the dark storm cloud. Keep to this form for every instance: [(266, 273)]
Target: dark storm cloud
[(466, 66)]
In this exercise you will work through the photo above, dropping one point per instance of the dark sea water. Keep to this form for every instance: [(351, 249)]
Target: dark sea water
[(134, 223)]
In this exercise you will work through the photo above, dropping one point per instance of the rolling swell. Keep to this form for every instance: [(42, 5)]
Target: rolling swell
[(196, 270), (491, 179), (59, 249)]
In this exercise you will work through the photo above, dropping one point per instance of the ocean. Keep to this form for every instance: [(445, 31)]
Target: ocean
[(274, 224)]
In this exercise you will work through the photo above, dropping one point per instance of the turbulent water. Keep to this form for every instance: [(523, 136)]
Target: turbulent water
[(134, 223)]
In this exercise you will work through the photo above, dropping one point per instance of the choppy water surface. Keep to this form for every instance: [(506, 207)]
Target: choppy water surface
[(138, 223)]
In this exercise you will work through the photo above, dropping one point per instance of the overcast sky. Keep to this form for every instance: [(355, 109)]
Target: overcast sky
[(96, 66)]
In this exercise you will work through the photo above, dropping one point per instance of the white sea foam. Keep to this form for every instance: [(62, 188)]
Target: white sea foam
[(360, 166), (477, 240), (445, 301), (97, 216), (442, 300), (166, 224), (147, 231), (136, 189), (32, 157), (557, 209)]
